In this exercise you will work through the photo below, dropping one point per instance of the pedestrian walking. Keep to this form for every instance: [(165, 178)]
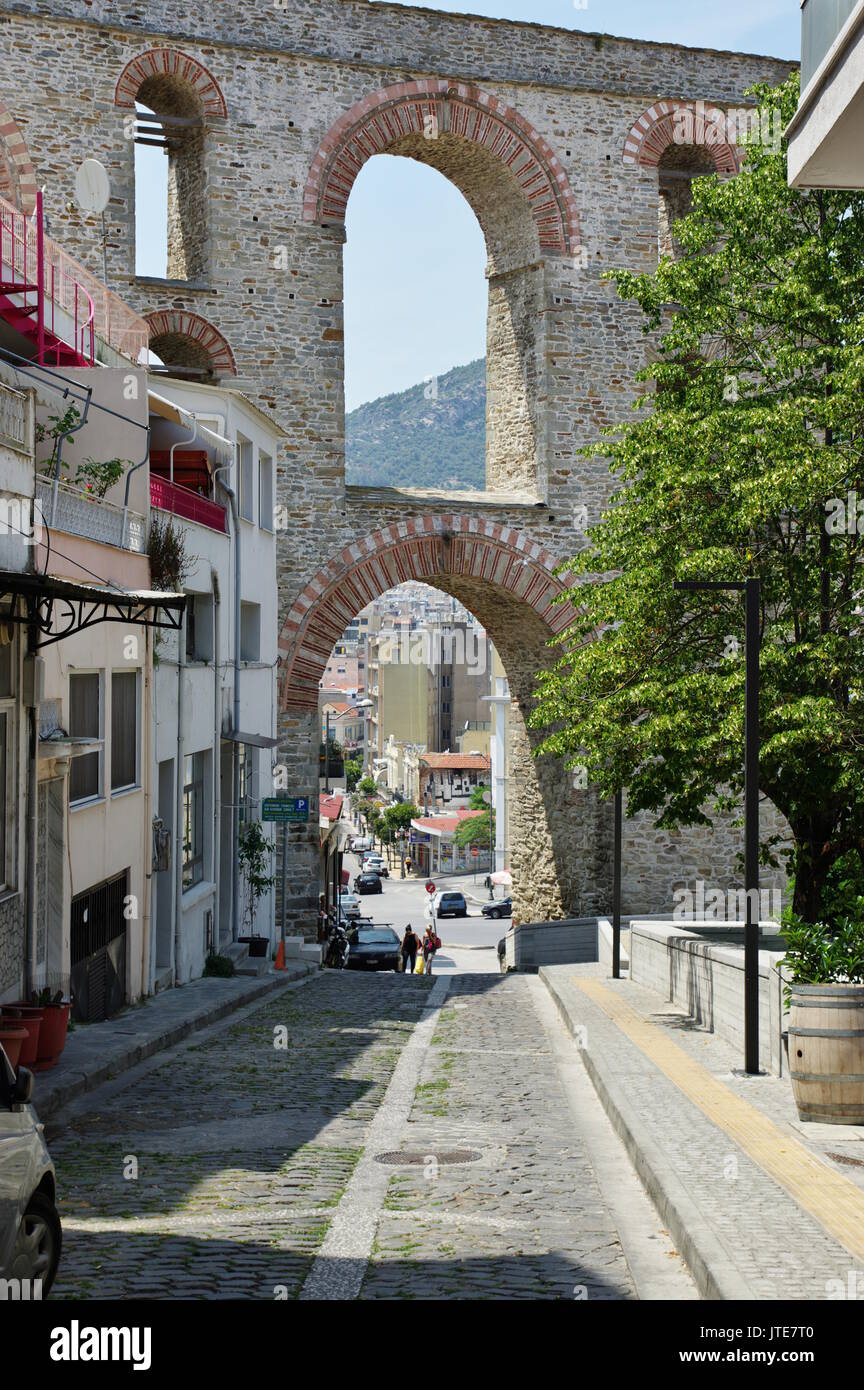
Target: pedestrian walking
[(430, 946), (409, 950)]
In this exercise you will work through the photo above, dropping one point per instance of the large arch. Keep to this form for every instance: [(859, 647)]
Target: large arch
[(389, 119), (519, 192), (558, 832), (433, 549), (17, 175)]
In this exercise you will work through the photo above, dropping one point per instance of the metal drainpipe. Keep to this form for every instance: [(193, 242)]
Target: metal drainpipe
[(181, 444), (32, 792), (133, 469), (178, 789), (147, 779), (235, 787), (217, 761)]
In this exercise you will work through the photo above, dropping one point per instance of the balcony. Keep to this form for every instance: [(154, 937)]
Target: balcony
[(78, 513), (826, 134), (821, 22), (183, 502), (68, 316)]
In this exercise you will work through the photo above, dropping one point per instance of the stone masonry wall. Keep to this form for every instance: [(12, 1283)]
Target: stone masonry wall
[(271, 282)]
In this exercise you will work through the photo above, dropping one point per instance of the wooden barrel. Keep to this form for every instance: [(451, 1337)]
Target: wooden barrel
[(826, 1053)]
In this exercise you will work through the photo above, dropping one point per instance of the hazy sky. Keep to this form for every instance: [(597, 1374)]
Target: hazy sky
[(415, 292)]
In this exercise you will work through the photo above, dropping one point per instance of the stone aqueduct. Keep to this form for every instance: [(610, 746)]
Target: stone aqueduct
[(557, 140)]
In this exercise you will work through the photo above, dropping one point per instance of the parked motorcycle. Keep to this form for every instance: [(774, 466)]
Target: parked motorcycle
[(338, 948)]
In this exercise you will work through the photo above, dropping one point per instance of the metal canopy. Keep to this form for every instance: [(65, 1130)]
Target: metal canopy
[(253, 740), (60, 608)]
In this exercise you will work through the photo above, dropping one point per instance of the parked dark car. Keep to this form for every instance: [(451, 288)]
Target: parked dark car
[(502, 909), (374, 948), (368, 883), (451, 905)]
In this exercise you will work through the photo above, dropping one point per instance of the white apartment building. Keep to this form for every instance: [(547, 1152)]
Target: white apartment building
[(214, 707)]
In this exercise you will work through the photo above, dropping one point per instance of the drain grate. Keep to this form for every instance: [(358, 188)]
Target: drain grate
[(850, 1162), (408, 1159)]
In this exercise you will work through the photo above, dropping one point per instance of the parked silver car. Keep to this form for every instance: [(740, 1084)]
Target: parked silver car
[(30, 1232)]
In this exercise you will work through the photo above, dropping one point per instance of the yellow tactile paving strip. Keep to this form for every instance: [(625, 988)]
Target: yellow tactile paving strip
[(833, 1200)]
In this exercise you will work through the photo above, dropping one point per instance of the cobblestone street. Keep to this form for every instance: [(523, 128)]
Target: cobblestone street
[(224, 1168)]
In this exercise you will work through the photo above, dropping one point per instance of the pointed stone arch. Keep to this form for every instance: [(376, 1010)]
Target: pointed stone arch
[(655, 131), (455, 548), (17, 175), (171, 63), (393, 115), (206, 343)]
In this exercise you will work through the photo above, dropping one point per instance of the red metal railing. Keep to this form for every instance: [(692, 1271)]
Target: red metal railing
[(171, 497), (29, 258)]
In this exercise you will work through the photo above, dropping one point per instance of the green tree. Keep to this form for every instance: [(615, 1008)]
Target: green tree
[(253, 855), (353, 773), (474, 830), (743, 466), (476, 802), (367, 787)]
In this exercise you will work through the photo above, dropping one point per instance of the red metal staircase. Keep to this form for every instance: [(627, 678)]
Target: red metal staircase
[(40, 296)]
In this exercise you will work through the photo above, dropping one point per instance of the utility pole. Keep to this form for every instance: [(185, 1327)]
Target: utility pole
[(752, 636)]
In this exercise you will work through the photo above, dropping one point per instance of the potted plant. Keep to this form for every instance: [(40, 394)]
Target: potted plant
[(30, 1019), (12, 1040), (824, 968), (55, 1024), (253, 854)]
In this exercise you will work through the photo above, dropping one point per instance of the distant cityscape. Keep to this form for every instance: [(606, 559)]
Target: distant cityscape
[(416, 694)]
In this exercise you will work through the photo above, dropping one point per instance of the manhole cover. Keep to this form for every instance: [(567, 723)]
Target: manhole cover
[(407, 1159), (847, 1159)]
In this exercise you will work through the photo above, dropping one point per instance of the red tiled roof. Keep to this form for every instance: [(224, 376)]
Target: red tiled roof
[(457, 761), (445, 824), (330, 807), (340, 707)]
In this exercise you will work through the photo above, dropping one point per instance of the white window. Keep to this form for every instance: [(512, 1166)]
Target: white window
[(195, 769), (199, 627), (265, 492), (246, 474), (9, 808), (85, 722), (250, 632), (124, 730)]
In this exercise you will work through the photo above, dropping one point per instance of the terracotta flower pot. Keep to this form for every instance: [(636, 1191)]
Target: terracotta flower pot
[(12, 1040), (22, 1016), (52, 1035)]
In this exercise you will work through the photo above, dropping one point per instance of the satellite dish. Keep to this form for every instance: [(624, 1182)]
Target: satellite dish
[(92, 186)]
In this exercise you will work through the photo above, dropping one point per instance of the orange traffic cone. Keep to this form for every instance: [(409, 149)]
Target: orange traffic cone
[(279, 963)]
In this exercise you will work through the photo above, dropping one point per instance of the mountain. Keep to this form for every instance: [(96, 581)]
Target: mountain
[(432, 435)]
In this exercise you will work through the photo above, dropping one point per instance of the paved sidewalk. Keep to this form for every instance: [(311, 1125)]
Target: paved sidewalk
[(95, 1052), (753, 1198)]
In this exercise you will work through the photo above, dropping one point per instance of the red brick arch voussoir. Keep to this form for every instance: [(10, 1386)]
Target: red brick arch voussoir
[(654, 132), (384, 117), (417, 549), (198, 330), (170, 62), (19, 185)]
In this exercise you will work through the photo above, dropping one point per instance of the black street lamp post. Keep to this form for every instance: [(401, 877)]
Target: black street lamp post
[(752, 591)]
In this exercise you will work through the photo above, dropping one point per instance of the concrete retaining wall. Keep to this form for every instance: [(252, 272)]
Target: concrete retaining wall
[(706, 978), (551, 943)]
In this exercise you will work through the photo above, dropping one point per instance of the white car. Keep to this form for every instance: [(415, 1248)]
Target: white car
[(375, 863), (30, 1231), (361, 845), (349, 904)]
